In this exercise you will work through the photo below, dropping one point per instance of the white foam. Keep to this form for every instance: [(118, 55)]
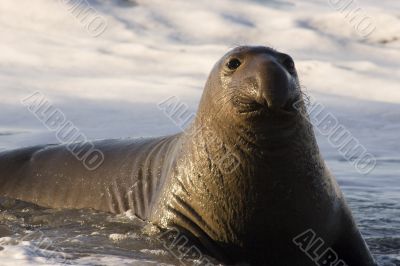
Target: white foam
[(110, 86)]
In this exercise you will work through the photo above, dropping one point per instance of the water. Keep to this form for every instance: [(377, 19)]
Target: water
[(121, 99), (375, 203), (79, 237), (85, 237)]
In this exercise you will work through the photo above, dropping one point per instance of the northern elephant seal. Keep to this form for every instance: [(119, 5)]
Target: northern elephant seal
[(259, 207)]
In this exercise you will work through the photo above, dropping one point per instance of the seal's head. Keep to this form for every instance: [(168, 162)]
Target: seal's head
[(244, 162), (253, 81)]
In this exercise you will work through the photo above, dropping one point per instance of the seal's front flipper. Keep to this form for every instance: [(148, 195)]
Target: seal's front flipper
[(353, 251), (351, 247)]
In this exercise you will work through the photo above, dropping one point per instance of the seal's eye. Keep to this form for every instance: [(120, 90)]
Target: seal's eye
[(288, 63), (233, 64)]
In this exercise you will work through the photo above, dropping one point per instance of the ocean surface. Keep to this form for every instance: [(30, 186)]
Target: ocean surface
[(108, 83)]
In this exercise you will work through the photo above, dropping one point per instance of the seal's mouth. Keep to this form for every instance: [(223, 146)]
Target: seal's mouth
[(249, 107), (252, 107)]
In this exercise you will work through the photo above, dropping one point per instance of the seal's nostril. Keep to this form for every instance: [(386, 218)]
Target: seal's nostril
[(287, 62)]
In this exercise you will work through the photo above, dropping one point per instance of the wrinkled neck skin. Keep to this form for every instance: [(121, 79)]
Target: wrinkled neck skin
[(230, 174)]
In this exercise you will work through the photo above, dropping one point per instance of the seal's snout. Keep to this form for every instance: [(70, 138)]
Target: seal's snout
[(275, 88), (258, 79)]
